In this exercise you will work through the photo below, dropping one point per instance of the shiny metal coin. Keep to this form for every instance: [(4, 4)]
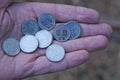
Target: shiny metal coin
[(11, 47), (44, 37), (55, 53), (46, 21), (28, 43), (75, 29), (61, 33), (30, 27)]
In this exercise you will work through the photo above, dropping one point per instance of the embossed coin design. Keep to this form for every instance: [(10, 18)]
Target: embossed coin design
[(30, 27), (28, 43), (44, 38), (55, 53), (46, 21), (75, 29), (61, 33), (11, 47)]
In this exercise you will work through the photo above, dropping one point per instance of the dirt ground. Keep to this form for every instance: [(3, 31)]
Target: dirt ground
[(102, 65)]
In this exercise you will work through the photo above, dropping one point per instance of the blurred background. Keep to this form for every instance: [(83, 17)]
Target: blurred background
[(102, 65)]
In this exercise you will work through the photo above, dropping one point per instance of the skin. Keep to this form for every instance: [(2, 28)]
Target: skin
[(12, 15)]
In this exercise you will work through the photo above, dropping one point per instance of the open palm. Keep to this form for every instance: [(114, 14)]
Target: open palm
[(94, 37)]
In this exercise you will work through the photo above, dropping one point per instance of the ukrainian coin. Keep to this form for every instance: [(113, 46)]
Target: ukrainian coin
[(30, 27), (61, 33), (11, 47), (55, 26), (46, 21), (55, 53), (75, 29), (44, 38), (28, 43)]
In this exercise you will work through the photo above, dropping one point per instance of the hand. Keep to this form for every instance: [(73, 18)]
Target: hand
[(94, 38)]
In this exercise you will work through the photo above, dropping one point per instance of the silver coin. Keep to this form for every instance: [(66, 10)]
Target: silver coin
[(11, 46), (44, 37), (55, 53), (46, 21), (28, 43), (30, 27), (75, 29), (61, 33)]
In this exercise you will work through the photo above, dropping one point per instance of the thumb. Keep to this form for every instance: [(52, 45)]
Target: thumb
[(4, 17)]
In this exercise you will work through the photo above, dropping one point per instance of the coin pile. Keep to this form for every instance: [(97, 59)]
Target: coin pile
[(40, 34)]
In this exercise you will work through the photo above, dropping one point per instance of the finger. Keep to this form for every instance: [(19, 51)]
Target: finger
[(94, 29), (65, 13), (43, 65), (90, 44)]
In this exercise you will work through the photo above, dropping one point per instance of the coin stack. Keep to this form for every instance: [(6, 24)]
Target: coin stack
[(40, 34)]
